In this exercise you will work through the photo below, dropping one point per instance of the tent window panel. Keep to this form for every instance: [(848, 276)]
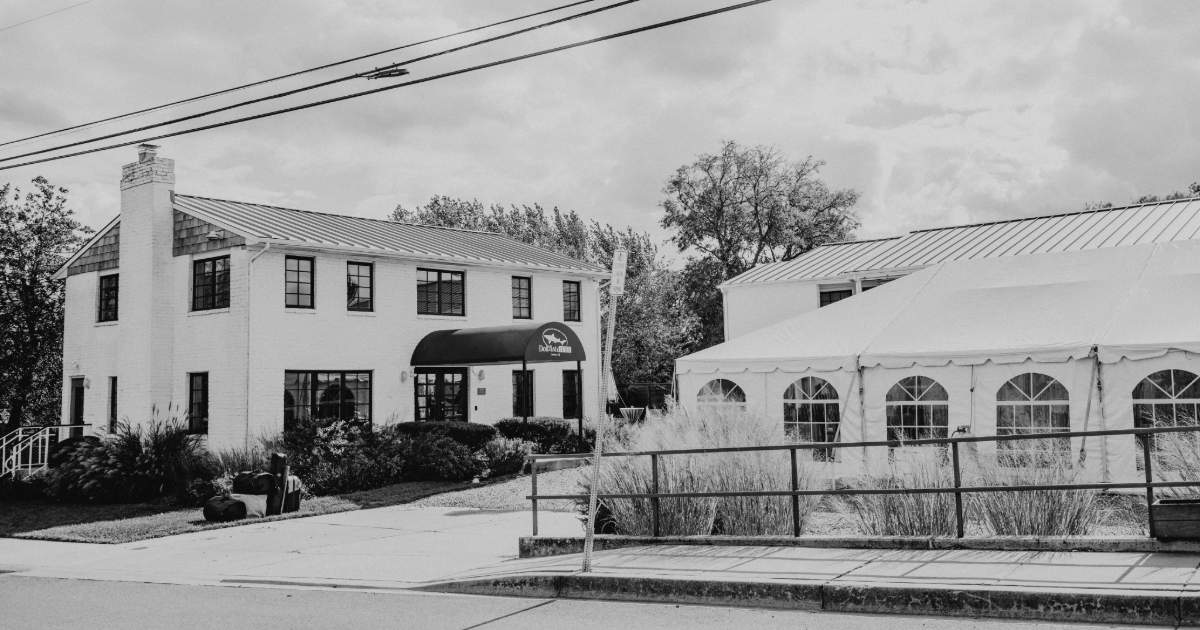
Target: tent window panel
[(1024, 408), (721, 391), (811, 414), (1167, 398)]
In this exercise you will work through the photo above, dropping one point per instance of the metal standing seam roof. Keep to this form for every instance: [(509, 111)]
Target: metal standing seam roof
[(824, 261), (286, 226), (1154, 222)]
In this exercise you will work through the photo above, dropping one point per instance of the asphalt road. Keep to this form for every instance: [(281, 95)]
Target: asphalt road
[(44, 603)]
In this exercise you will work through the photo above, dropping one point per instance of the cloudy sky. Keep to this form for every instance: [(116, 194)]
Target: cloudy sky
[(938, 112)]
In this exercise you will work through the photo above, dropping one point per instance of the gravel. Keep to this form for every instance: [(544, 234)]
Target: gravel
[(510, 495)]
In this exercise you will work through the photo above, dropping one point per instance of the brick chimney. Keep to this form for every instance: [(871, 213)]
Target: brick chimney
[(146, 295)]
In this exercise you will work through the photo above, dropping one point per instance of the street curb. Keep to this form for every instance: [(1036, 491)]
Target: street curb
[(546, 546), (1121, 607)]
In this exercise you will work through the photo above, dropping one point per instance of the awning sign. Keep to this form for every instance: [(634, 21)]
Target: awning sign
[(620, 258)]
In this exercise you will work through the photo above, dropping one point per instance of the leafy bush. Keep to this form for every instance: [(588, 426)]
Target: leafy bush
[(504, 456), (469, 434), (548, 435), (338, 456), (156, 460), (431, 457)]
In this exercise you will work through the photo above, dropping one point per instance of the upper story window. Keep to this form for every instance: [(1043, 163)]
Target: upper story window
[(441, 292), (522, 297), (571, 311), (360, 286), (210, 284), (298, 282), (829, 297), (108, 298)]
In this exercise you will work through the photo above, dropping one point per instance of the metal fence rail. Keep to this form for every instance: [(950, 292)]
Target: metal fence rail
[(795, 492)]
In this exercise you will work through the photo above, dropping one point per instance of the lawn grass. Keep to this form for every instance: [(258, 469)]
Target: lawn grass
[(122, 523)]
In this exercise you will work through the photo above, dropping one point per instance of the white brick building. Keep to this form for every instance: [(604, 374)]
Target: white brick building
[(198, 307)]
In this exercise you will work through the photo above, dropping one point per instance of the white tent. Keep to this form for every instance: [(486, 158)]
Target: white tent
[(1098, 322)]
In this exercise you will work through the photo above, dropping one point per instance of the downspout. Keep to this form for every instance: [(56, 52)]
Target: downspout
[(249, 310)]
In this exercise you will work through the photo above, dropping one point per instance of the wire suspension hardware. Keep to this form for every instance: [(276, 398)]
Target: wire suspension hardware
[(436, 77), (371, 74), (284, 76)]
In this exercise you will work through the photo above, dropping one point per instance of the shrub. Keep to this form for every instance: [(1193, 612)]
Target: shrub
[(756, 471), (1036, 512), (157, 460), (431, 457), (469, 434), (906, 514), (338, 456), (30, 488), (1176, 458), (504, 456), (548, 435)]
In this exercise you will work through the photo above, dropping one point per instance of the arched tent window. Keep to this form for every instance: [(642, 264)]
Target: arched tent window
[(721, 392), (917, 409), (1029, 404), (811, 414), (1165, 399)]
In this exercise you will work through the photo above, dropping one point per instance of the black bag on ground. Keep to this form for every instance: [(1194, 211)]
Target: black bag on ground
[(253, 482), (291, 496), (220, 509)]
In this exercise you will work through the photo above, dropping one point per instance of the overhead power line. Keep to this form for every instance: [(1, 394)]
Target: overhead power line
[(202, 97), (385, 71), (46, 15), (397, 86)]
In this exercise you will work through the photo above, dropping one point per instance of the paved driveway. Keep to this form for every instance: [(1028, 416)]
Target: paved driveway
[(395, 547)]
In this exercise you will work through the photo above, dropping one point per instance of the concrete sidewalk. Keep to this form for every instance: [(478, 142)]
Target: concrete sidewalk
[(394, 547), (1145, 588)]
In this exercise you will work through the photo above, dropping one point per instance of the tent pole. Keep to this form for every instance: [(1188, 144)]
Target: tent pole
[(1104, 474), (862, 408), (525, 392)]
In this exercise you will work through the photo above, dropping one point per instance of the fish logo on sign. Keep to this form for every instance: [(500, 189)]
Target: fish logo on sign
[(554, 341)]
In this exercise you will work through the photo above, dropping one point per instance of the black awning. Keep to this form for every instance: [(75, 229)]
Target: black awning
[(531, 343)]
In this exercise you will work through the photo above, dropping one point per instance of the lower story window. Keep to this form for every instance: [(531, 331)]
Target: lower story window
[(522, 393), (198, 403), (112, 404), (326, 397), (571, 393)]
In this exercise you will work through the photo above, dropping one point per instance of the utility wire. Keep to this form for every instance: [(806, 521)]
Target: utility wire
[(317, 85), (46, 15), (278, 78), (444, 75)]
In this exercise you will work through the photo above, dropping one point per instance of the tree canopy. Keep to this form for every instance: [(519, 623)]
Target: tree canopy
[(37, 234)]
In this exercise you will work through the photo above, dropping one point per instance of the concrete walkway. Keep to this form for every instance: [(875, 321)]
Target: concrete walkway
[(1143, 588), (395, 547)]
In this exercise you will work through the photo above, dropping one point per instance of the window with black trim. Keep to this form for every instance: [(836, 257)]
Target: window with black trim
[(441, 292), (298, 282), (571, 312), (360, 286), (198, 403), (112, 404), (571, 391), (210, 284), (109, 286), (829, 297), (522, 297), (326, 397), (522, 393)]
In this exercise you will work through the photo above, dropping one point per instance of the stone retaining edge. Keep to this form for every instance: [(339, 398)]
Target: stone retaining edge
[(1121, 607), (545, 546)]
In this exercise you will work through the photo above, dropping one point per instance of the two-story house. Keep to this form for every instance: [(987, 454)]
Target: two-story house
[(238, 318)]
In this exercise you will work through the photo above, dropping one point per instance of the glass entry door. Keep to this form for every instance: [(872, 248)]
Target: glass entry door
[(441, 394)]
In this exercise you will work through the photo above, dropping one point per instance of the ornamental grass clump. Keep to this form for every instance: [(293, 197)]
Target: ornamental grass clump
[(926, 514), (1034, 512), (725, 472), (1176, 458)]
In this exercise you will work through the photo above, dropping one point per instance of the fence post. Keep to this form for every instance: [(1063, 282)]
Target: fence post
[(1149, 479), (533, 482), (654, 489), (795, 497), (958, 508)]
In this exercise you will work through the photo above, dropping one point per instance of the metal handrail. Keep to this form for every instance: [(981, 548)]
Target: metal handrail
[(28, 448), (795, 493)]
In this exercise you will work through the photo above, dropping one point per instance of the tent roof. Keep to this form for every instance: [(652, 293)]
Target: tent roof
[(531, 342), (1135, 302)]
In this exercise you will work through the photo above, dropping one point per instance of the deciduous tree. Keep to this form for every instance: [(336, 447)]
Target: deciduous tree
[(37, 234)]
